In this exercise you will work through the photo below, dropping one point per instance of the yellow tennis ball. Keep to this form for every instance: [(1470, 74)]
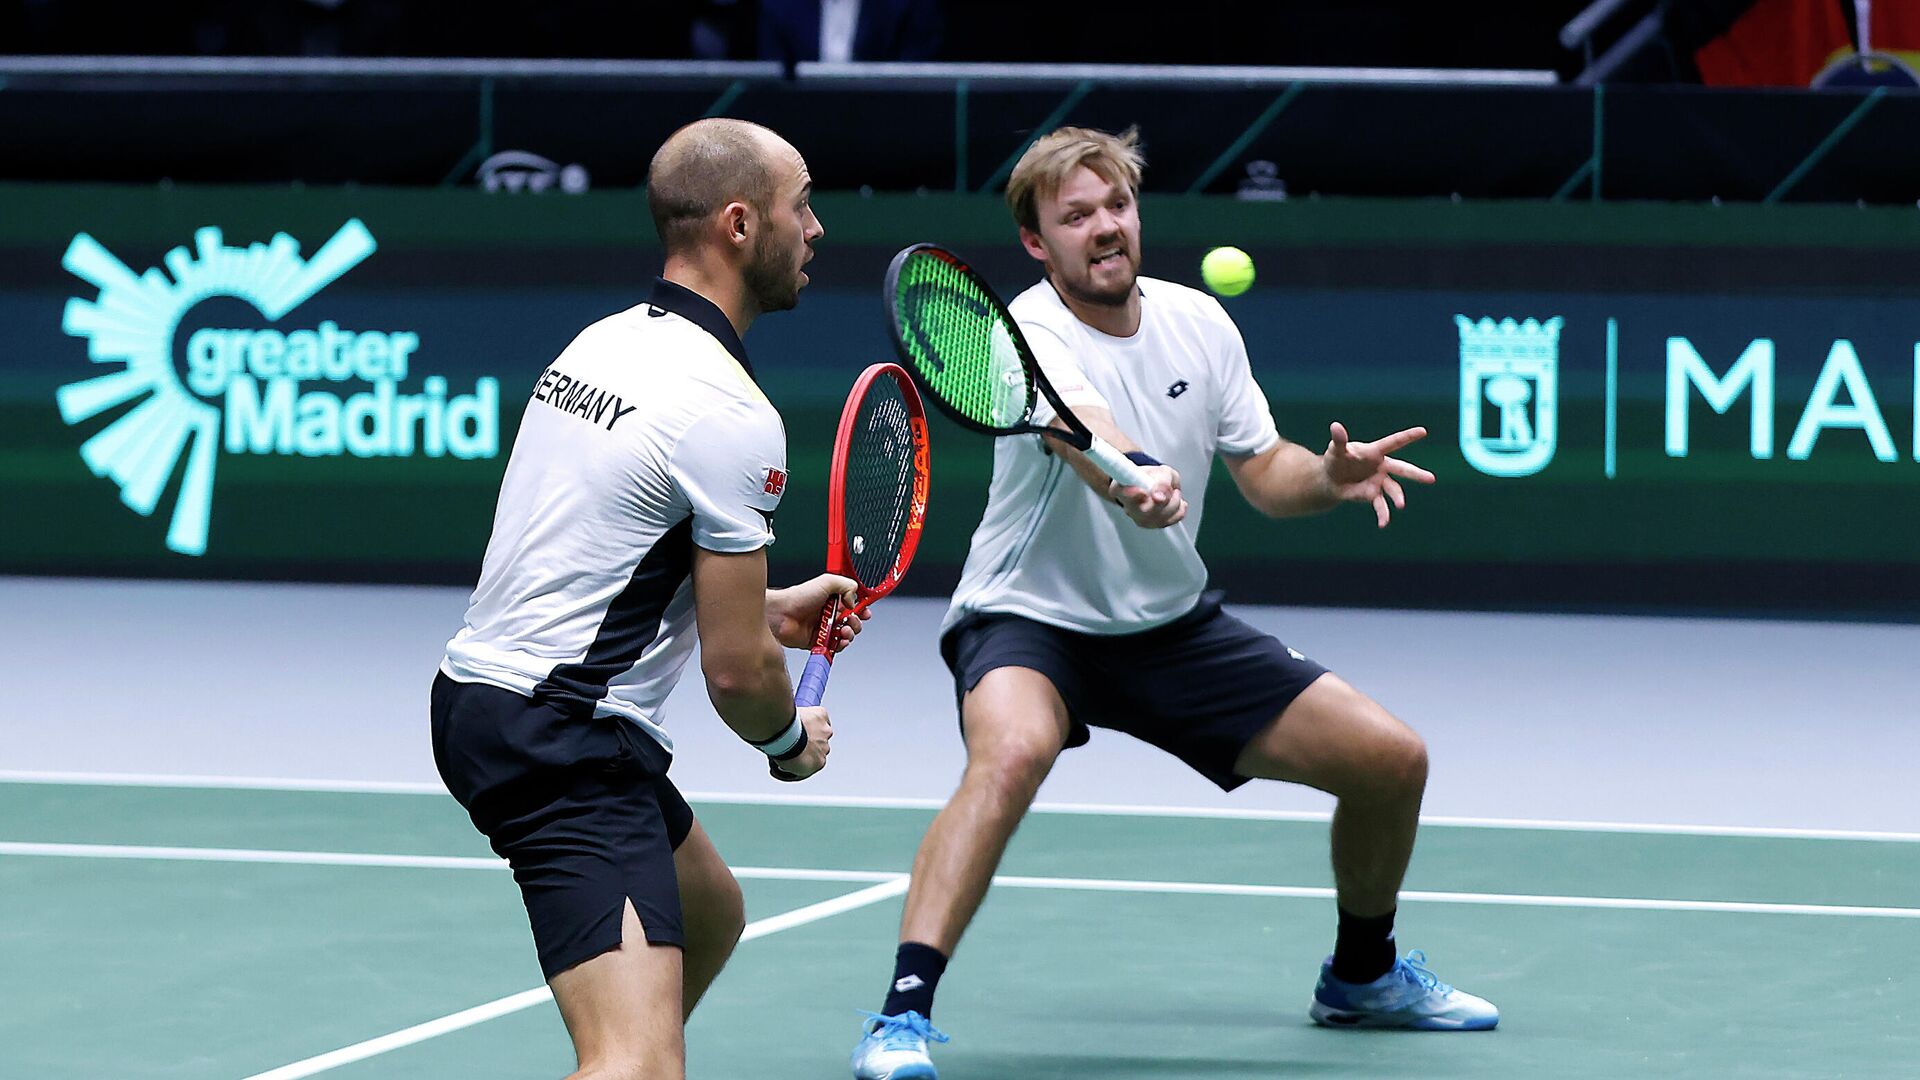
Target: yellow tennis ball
[(1228, 271)]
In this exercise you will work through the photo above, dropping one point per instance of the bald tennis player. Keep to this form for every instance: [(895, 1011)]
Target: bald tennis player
[(633, 521)]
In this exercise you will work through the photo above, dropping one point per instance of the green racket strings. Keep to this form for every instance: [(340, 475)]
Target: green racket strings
[(959, 345)]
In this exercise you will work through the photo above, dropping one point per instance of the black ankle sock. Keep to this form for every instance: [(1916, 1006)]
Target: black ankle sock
[(916, 972), (1364, 949)]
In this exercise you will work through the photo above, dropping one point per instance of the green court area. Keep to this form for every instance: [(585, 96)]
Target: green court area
[(229, 934)]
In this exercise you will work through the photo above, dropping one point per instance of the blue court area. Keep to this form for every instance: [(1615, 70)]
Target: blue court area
[(248, 933)]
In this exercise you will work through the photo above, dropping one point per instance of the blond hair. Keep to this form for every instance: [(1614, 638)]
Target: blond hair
[(1053, 157)]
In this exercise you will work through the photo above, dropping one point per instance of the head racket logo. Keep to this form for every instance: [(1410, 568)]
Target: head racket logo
[(243, 384)]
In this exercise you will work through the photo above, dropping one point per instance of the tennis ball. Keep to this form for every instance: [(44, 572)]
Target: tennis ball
[(1228, 271)]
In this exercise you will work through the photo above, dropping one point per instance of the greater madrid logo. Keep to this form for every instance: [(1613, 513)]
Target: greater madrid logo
[(243, 387)]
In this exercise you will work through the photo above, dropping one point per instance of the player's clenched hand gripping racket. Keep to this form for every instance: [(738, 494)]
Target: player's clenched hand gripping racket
[(876, 502), (957, 336)]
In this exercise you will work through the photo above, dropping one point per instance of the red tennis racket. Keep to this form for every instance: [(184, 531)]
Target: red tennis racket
[(876, 502)]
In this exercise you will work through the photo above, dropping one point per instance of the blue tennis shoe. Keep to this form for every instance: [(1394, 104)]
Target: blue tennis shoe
[(895, 1048), (1409, 996)]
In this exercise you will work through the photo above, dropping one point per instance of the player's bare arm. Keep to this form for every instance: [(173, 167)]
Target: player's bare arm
[(1289, 480), (793, 613), (744, 664), (1154, 507)]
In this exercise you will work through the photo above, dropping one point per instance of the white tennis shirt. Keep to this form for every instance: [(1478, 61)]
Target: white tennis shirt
[(645, 438), (1053, 550)]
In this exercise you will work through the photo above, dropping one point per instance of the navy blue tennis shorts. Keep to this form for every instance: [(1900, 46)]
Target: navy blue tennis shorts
[(1200, 687), (580, 807)]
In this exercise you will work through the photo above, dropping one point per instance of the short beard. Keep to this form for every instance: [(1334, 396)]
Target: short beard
[(1086, 294), (769, 282)]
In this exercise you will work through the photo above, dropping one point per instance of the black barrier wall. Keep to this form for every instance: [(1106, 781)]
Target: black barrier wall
[(1264, 132), (1631, 406)]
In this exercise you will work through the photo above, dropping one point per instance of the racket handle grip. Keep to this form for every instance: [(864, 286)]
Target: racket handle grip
[(1115, 464), (813, 681)]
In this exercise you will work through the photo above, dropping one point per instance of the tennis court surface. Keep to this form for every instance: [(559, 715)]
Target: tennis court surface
[(245, 932)]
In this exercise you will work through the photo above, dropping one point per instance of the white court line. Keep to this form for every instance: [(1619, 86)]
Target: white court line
[(1201, 888), (527, 999), (240, 783), (854, 802), (1245, 814), (1004, 881), (250, 855), (283, 857)]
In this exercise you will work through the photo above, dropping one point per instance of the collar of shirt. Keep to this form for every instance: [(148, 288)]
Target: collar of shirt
[(701, 312)]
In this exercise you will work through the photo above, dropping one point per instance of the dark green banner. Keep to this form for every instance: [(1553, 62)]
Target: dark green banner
[(1631, 407)]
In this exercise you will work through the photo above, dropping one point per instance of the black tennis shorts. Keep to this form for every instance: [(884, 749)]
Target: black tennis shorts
[(580, 806), (1200, 687)]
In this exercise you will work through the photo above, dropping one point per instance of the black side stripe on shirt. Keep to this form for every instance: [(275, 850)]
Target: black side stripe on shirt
[(631, 623)]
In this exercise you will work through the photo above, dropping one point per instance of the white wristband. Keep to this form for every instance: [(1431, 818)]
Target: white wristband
[(782, 744)]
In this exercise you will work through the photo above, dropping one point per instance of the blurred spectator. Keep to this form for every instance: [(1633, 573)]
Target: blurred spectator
[(657, 29), (723, 30), (793, 31), (1385, 33)]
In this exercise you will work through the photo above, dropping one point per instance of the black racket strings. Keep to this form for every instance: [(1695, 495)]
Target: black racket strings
[(877, 491)]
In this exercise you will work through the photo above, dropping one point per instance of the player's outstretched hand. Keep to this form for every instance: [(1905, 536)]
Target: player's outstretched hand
[(814, 757), (1155, 506), (1367, 472), (794, 614)]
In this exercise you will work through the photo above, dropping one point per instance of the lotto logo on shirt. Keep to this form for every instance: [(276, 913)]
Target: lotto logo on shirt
[(246, 385), (776, 481)]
